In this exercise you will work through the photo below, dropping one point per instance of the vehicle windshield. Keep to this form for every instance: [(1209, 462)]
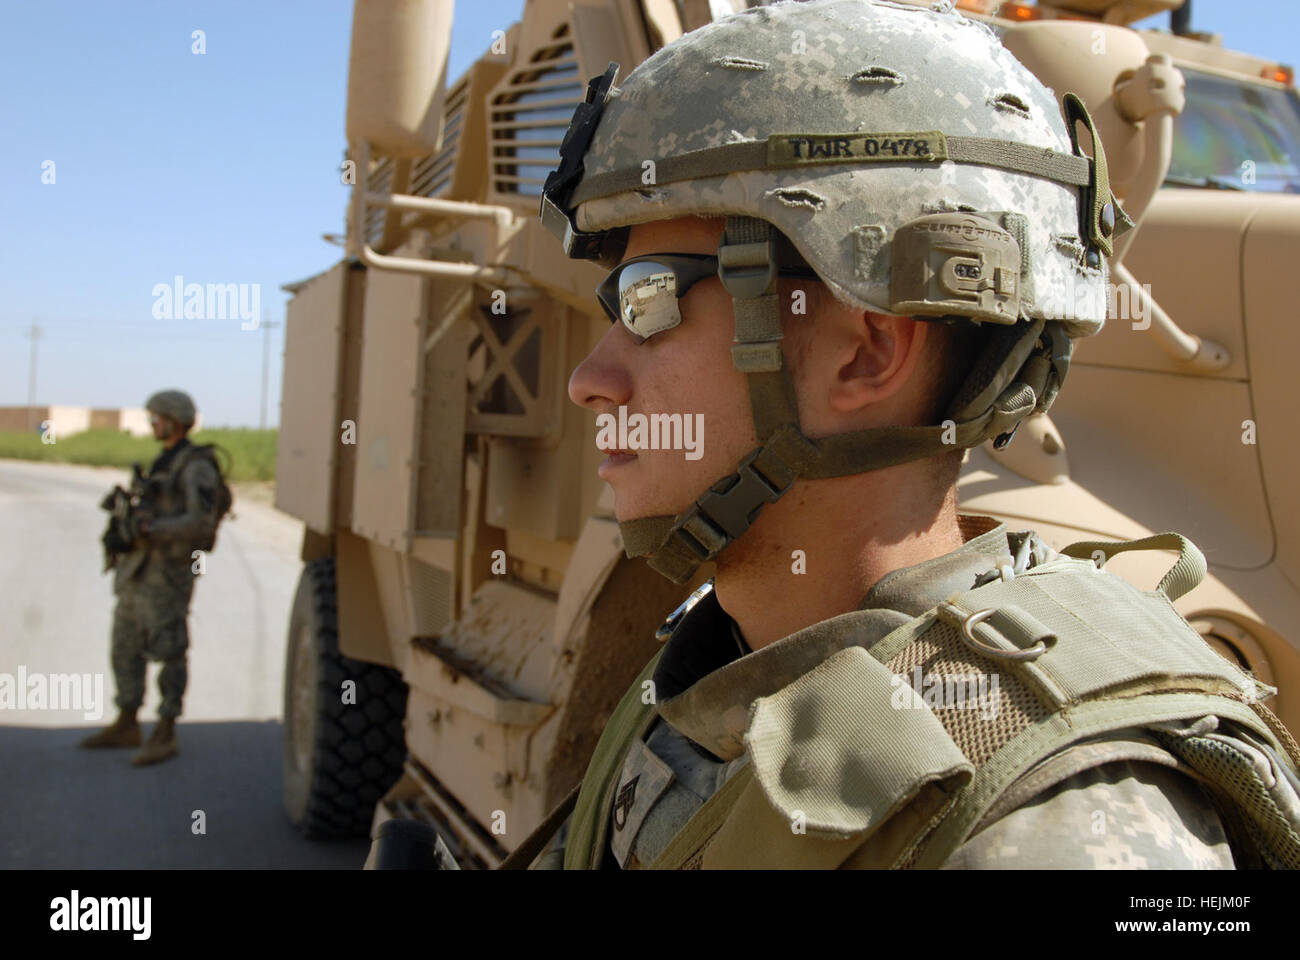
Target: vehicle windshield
[(1236, 136)]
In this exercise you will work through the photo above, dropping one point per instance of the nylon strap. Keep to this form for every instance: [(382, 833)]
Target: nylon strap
[(644, 536), (880, 447), (1045, 738), (527, 852), (1069, 169), (747, 268), (773, 403), (676, 546), (183, 459), (1186, 573), (1004, 349), (584, 847), (1020, 158), (1097, 193)]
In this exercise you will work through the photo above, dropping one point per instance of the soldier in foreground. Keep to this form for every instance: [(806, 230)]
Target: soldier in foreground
[(151, 545), (873, 679)]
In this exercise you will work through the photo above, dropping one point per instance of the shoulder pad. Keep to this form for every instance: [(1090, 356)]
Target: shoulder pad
[(848, 744), (1075, 632)]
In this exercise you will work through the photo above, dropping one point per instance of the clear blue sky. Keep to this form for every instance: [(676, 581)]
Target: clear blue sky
[(222, 168)]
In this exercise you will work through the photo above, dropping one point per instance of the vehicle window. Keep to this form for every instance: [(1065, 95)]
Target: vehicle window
[(1232, 133)]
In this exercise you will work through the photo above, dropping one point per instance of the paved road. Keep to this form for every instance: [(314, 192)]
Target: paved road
[(64, 807)]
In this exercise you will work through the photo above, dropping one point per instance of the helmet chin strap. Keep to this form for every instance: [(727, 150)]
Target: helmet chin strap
[(677, 546)]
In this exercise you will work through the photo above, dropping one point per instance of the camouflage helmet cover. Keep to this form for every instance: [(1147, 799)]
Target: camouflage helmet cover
[(175, 404), (832, 67)]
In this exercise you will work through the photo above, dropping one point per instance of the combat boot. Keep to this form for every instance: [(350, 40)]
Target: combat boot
[(123, 732), (161, 744)]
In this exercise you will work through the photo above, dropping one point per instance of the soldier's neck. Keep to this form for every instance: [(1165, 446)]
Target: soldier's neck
[(816, 553)]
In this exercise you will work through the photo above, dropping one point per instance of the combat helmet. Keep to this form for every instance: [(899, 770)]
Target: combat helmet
[(910, 159), (175, 404)]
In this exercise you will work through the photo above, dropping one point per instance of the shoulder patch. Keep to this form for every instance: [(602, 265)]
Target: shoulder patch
[(643, 779)]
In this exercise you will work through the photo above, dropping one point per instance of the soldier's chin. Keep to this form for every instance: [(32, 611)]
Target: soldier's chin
[(627, 508), (624, 511)]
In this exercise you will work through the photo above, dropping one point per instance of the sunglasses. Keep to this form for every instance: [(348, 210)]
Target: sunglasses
[(643, 292)]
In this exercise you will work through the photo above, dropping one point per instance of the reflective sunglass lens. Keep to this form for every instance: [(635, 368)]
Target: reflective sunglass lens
[(647, 297)]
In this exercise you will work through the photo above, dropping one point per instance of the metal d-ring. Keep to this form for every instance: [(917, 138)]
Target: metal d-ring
[(979, 646)]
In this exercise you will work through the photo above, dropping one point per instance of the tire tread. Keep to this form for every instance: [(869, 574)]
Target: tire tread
[(359, 749)]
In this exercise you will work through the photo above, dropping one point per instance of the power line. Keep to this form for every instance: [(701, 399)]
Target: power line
[(110, 326), (57, 337), (266, 361), (31, 376), (82, 331), (118, 327)]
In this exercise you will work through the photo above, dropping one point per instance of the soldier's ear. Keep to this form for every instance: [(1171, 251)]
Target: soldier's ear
[(876, 357)]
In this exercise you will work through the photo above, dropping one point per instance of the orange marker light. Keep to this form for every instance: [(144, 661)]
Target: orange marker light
[(1019, 11), (1280, 74)]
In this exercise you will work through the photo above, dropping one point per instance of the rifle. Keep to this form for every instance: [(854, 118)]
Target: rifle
[(124, 507)]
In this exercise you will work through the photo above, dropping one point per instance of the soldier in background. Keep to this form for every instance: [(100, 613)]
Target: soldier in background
[(175, 513)]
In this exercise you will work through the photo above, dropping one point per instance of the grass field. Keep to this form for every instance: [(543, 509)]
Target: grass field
[(252, 452)]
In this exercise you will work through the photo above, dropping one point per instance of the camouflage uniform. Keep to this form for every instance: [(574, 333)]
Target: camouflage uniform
[(1117, 813), (154, 582)]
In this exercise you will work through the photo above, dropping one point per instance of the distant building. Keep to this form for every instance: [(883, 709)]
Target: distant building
[(133, 420), (67, 420)]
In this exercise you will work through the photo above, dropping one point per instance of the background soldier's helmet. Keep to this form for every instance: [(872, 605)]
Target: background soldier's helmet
[(172, 403), (912, 161)]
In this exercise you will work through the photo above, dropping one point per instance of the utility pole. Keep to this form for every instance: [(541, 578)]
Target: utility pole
[(33, 335), (266, 363)]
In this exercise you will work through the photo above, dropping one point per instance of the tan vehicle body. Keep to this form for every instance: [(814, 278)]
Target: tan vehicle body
[(428, 444)]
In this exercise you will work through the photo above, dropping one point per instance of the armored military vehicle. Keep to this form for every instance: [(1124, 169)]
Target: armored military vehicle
[(1178, 415), (466, 619)]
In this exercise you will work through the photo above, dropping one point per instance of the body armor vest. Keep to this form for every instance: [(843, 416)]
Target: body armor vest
[(848, 770)]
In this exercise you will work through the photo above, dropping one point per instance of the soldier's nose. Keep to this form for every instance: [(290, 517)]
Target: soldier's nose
[(602, 379)]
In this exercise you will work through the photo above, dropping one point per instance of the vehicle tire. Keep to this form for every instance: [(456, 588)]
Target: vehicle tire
[(339, 758)]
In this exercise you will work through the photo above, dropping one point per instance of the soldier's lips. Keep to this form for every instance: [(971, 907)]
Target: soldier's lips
[(616, 459)]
